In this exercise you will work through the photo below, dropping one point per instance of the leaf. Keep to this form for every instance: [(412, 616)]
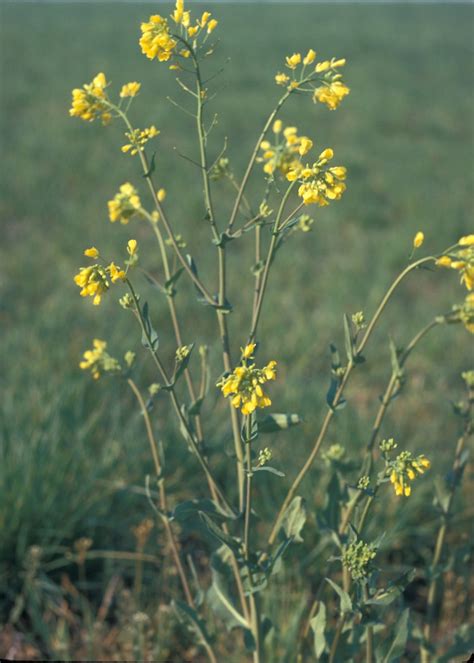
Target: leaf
[(218, 596), (254, 430), (190, 509), (183, 364), (318, 625), (345, 599), (394, 358), (394, 590), (348, 338), (294, 519), (189, 616), (331, 395), (151, 167), (274, 422), (219, 534), (149, 335), (268, 468), (169, 284), (195, 407), (388, 653), (329, 517)]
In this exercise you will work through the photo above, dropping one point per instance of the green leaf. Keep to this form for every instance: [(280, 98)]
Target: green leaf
[(151, 168), (219, 534), (183, 364), (345, 599), (348, 339), (318, 625), (268, 468), (189, 616), (218, 595), (294, 519), (388, 653), (169, 284), (274, 422), (190, 510), (195, 407), (393, 591), (149, 335)]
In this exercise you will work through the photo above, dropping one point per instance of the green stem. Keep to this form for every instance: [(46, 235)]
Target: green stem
[(330, 413)]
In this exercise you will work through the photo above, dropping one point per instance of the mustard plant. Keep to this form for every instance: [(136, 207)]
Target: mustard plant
[(295, 174)]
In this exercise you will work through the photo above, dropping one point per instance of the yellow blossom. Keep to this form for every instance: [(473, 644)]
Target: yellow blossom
[(92, 252), (98, 360), (161, 195), (406, 468), (93, 282), (90, 101), (138, 139), (331, 94), (281, 79), (156, 40), (211, 26), (125, 204), (305, 145), (444, 261), (244, 384), (130, 89), (277, 126), (309, 57), (116, 273), (418, 239), (467, 240), (292, 61), (132, 245)]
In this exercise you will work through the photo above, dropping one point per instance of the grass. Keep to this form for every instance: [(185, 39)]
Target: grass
[(73, 454)]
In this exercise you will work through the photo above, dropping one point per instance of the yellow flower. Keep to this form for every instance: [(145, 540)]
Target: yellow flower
[(248, 350), (309, 57), (418, 239), (406, 468), (156, 41), (93, 282), (281, 79), (331, 94), (177, 15), (305, 145), (211, 26), (244, 384), (98, 360), (322, 66), (444, 261), (161, 195), (292, 61), (139, 138), (132, 245), (277, 126), (125, 204), (116, 273), (130, 89), (90, 101), (467, 240), (92, 252)]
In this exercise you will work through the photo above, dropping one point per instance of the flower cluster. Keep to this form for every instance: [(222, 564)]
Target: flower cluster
[(125, 204), (94, 280), (283, 153), (406, 468), (330, 91), (335, 453), (462, 260), (98, 360), (264, 456), (465, 313), (130, 89), (139, 138), (244, 384), (158, 42), (90, 101), (357, 558), (319, 184)]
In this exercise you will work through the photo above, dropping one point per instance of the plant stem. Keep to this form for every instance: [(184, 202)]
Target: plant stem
[(441, 536), (329, 415), (369, 644)]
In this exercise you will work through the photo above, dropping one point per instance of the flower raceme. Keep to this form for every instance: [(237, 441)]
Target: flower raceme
[(462, 260), (138, 139), (125, 204), (319, 183), (330, 91), (404, 469), (244, 384), (282, 154), (94, 280), (89, 102), (158, 42), (98, 360)]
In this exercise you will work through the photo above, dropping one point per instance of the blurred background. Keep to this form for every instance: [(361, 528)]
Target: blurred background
[(73, 452)]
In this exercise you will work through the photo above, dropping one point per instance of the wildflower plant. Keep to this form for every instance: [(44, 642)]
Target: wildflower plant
[(294, 172)]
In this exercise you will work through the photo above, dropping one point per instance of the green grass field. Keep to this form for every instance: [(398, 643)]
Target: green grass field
[(73, 454)]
